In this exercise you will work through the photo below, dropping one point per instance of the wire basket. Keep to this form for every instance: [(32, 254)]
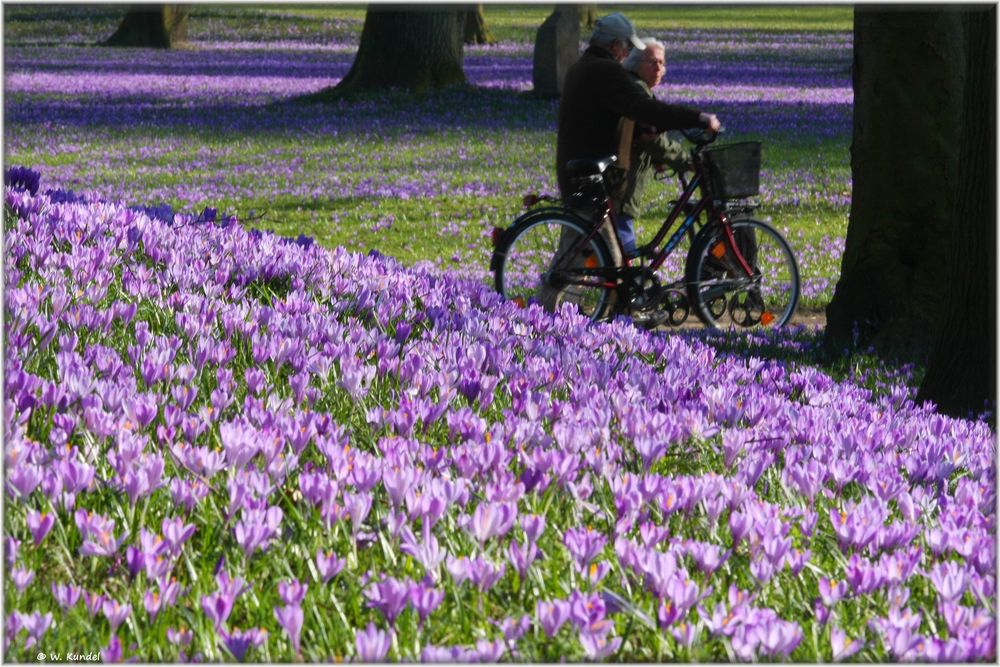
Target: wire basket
[(733, 171)]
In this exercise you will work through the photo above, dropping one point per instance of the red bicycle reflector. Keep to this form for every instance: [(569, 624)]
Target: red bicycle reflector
[(497, 233), (519, 301), (590, 262), (766, 318), (719, 250), (530, 200)]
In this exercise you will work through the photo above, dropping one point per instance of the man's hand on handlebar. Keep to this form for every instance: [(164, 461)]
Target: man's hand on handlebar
[(711, 122)]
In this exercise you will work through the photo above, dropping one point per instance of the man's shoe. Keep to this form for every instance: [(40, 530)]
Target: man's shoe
[(650, 320)]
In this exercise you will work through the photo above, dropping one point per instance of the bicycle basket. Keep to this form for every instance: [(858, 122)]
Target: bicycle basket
[(733, 171)]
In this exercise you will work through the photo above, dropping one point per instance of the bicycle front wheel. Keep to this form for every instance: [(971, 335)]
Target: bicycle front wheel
[(721, 292), (554, 259)]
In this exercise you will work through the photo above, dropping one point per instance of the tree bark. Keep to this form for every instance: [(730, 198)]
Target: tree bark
[(961, 369), (557, 46), (152, 26), (908, 83), (588, 15), (475, 30), (416, 47)]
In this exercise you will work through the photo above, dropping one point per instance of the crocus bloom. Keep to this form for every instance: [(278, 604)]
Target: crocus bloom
[(39, 523), (22, 578), (425, 599), (328, 565), (843, 647), (584, 544), (66, 595), (292, 592), (217, 607), (238, 642), (291, 618), (599, 646), (372, 644), (37, 625), (116, 613), (552, 615), (389, 597), (176, 533)]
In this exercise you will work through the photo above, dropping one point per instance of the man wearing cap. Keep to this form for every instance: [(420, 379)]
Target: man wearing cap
[(599, 92)]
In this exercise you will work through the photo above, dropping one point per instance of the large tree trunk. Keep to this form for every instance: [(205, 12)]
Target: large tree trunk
[(475, 30), (961, 370), (416, 47), (154, 26), (588, 15), (557, 46), (908, 84)]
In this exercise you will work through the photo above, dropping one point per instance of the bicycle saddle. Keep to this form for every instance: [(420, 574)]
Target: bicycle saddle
[(576, 168)]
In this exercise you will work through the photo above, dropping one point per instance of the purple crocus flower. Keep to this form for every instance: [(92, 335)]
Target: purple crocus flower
[(93, 602), (113, 652), (389, 597), (372, 644), (598, 646), (552, 615), (843, 647), (116, 613), (22, 578), (292, 592), (66, 595), (491, 520), (238, 642), (217, 607), (514, 628), (39, 523), (37, 625), (328, 565), (176, 533), (425, 599), (533, 526), (584, 544), (522, 556), (950, 580), (180, 637), (831, 591), (291, 618)]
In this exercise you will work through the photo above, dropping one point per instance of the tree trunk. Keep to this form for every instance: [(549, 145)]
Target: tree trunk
[(908, 83), (475, 30), (417, 47), (961, 369), (557, 46), (154, 26), (588, 15)]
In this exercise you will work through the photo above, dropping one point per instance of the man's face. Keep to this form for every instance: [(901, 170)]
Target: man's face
[(620, 49), (651, 67)]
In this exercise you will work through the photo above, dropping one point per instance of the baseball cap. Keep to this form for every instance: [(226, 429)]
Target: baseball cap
[(618, 26)]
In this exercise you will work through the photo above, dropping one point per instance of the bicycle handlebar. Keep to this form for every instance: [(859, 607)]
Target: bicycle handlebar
[(701, 136)]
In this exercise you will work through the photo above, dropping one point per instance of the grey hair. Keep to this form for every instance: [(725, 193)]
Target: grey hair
[(635, 55)]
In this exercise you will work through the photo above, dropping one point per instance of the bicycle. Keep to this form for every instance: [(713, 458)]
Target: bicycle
[(738, 272)]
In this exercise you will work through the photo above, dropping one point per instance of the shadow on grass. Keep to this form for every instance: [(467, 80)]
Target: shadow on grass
[(802, 346)]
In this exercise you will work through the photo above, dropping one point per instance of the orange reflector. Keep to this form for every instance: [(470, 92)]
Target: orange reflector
[(590, 262), (766, 318), (719, 250), (519, 301)]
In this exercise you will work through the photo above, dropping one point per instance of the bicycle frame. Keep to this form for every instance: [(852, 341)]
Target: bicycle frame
[(703, 204)]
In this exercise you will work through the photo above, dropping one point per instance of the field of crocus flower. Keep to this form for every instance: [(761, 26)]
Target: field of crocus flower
[(421, 180), (222, 443)]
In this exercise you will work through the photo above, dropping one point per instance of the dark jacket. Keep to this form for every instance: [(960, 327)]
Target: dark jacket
[(646, 151), (597, 92)]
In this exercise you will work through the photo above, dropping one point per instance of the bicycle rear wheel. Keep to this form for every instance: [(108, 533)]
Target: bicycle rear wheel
[(549, 260), (721, 293)]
